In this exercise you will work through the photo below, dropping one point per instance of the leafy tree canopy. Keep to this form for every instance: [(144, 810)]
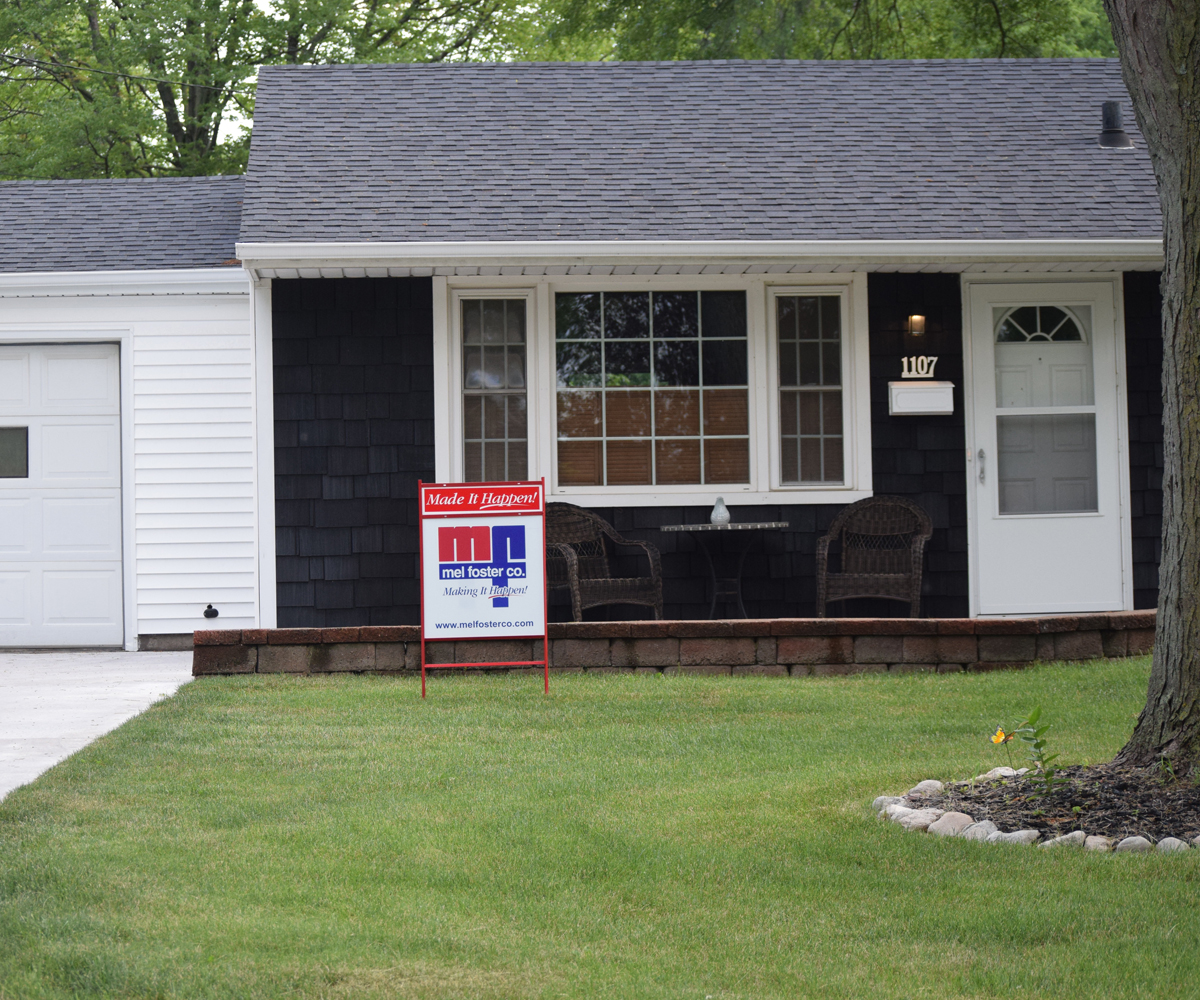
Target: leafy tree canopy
[(827, 29), (120, 88)]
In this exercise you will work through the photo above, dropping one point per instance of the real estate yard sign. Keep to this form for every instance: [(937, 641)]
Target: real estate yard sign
[(483, 567)]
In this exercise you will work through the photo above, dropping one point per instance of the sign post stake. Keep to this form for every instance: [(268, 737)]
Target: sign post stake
[(483, 568)]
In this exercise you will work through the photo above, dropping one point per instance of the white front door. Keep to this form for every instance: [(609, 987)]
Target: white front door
[(60, 495), (1045, 486)]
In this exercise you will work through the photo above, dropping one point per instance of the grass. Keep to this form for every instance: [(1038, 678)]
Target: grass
[(629, 836)]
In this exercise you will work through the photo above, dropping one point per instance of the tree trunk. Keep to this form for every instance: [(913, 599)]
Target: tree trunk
[(1159, 45)]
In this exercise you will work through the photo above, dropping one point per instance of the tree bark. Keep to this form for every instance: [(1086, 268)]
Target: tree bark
[(1159, 45)]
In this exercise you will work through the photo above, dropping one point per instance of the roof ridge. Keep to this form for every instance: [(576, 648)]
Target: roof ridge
[(214, 178), (680, 63)]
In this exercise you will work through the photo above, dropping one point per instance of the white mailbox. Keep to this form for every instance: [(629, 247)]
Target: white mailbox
[(920, 399)]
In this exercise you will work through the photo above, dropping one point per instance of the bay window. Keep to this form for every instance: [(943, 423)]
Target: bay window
[(637, 391)]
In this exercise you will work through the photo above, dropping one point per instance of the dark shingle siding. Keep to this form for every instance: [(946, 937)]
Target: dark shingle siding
[(923, 458), (117, 225), (353, 367), (694, 150), (1143, 373)]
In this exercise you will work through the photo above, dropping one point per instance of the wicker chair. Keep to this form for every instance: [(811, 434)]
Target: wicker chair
[(882, 541), (577, 560)]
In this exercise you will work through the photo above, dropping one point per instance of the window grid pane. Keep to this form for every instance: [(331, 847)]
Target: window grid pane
[(636, 403), (495, 425), (811, 445)]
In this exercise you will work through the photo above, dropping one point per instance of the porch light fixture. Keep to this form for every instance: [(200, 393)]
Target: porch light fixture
[(916, 326)]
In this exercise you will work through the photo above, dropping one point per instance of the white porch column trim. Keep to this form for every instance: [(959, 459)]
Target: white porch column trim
[(264, 447)]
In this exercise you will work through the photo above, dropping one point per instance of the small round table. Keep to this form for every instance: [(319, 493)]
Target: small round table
[(725, 588)]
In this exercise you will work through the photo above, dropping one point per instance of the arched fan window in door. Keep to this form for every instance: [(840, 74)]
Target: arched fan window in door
[(1026, 324)]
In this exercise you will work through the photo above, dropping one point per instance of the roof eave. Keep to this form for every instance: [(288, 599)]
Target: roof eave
[(310, 255), (224, 280)]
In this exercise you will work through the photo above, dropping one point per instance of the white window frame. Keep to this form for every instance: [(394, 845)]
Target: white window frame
[(856, 409), (765, 484), (451, 406)]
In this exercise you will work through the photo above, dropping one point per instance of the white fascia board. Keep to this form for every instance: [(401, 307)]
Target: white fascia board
[(192, 281), (530, 252)]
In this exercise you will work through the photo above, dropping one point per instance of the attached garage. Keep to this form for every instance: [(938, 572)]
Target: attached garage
[(60, 495), (129, 458)]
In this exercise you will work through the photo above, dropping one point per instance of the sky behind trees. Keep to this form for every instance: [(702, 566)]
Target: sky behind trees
[(133, 88)]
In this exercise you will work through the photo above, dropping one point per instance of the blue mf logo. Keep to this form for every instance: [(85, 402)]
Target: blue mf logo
[(494, 555)]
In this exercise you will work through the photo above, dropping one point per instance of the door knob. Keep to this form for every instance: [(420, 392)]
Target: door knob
[(981, 458)]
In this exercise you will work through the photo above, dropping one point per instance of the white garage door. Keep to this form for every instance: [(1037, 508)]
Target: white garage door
[(60, 495)]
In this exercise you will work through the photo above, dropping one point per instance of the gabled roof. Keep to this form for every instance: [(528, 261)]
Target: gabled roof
[(975, 149), (118, 225)]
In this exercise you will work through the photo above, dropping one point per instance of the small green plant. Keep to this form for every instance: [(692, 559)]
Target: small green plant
[(1046, 776)]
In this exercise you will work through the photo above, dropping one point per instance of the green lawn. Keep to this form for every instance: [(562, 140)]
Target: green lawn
[(627, 836)]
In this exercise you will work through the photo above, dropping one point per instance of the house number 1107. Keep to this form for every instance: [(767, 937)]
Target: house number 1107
[(918, 366)]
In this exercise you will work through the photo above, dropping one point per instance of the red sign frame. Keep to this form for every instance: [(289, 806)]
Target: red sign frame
[(450, 500)]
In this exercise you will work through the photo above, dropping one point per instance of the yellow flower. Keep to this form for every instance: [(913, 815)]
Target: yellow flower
[(1001, 736)]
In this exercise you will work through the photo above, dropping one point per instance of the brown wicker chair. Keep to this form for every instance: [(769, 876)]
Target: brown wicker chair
[(882, 542), (577, 561)]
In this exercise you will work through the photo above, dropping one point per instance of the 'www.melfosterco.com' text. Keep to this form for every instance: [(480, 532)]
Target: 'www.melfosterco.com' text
[(479, 624)]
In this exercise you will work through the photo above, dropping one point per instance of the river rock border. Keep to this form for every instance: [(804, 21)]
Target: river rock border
[(909, 813)]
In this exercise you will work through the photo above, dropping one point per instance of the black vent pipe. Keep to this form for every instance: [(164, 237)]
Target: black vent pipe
[(1112, 130)]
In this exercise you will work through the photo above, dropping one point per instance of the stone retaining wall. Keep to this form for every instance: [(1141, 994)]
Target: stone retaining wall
[(781, 646)]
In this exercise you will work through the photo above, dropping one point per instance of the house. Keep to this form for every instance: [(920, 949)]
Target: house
[(650, 284)]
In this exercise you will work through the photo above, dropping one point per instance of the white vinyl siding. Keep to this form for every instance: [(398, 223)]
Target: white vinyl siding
[(194, 497), (191, 512)]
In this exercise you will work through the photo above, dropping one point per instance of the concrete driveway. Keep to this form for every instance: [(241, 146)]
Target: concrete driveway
[(54, 703)]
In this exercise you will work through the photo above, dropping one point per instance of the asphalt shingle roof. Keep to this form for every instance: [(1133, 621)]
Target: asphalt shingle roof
[(115, 225), (694, 150)]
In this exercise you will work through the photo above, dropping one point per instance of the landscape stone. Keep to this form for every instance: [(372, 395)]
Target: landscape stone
[(952, 824), (895, 811), (1097, 844), (1196, 841), (997, 772), (920, 819), (1170, 844), (1135, 844), (1016, 837), (929, 786), (1075, 838), (886, 800), (979, 831)]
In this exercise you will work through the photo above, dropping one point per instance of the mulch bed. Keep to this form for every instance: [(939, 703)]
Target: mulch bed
[(1106, 800)]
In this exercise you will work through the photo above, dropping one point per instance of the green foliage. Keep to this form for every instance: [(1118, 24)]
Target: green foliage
[(1045, 775), (105, 88), (834, 29)]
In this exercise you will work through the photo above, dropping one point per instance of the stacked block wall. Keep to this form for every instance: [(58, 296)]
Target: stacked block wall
[(779, 647)]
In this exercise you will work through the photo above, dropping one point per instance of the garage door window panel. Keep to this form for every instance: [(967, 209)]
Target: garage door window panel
[(14, 452)]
